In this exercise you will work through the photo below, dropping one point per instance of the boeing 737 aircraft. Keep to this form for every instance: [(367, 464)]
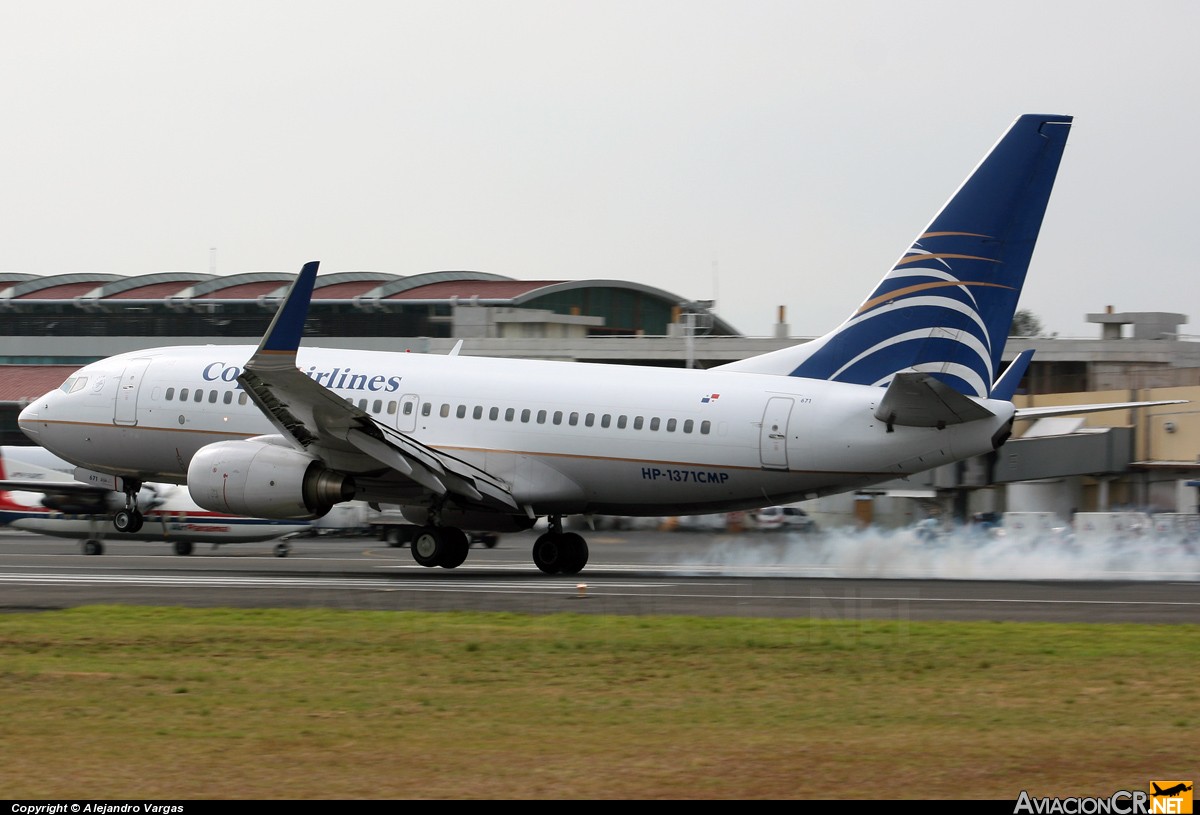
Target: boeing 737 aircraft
[(39, 493), (908, 382)]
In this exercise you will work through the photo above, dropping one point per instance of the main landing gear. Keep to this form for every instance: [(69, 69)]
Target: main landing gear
[(444, 546), (558, 552), (129, 519), (555, 552)]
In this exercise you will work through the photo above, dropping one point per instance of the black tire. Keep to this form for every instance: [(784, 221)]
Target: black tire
[(93, 547), (454, 548), (574, 553), (127, 521), (183, 547), (426, 546), (549, 552)]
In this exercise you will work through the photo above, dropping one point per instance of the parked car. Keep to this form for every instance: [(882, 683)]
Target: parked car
[(786, 518)]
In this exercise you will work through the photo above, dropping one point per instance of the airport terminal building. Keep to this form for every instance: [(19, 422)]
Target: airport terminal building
[(1147, 458)]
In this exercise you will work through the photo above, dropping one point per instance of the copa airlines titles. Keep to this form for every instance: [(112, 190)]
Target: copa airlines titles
[(339, 378)]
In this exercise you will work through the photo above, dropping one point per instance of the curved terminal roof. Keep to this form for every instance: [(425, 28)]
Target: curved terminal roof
[(58, 287), (365, 289)]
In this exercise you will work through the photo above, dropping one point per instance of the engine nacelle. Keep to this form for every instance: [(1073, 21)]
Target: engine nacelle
[(264, 481), (73, 503)]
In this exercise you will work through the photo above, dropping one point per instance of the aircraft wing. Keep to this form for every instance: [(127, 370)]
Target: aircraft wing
[(65, 487), (1072, 410), (345, 437), (61, 494), (65, 496)]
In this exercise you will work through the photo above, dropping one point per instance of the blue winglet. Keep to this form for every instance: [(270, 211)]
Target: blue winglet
[(288, 326), (1006, 384)]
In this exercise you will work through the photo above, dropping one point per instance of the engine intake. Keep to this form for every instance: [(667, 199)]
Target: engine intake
[(264, 481)]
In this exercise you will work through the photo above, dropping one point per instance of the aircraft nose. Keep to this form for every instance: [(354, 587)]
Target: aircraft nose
[(27, 419)]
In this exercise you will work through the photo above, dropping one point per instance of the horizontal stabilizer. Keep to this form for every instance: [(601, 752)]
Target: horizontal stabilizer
[(916, 399), (1071, 410)]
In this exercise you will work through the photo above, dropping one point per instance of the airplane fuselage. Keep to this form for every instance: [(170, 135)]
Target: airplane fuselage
[(564, 437)]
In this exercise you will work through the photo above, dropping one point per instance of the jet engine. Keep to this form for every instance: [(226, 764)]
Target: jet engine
[(75, 503), (264, 480)]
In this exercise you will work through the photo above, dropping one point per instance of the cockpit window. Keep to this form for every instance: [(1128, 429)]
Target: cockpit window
[(74, 383)]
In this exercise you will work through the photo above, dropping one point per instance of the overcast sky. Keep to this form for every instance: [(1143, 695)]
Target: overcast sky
[(764, 154)]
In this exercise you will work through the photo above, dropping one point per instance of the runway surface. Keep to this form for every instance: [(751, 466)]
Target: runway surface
[(629, 572)]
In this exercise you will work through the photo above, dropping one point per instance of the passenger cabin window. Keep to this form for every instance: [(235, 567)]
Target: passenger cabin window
[(525, 415), (494, 414), (183, 393), (478, 412), (170, 394), (228, 398), (558, 417), (426, 409), (605, 420), (687, 426), (541, 417), (212, 397), (461, 412), (509, 414), (198, 396), (243, 398), (705, 426), (670, 425), (622, 420), (637, 422), (654, 423)]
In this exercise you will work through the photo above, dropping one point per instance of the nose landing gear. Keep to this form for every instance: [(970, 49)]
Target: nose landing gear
[(129, 519)]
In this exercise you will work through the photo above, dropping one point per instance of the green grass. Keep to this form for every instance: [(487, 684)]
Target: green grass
[(134, 702)]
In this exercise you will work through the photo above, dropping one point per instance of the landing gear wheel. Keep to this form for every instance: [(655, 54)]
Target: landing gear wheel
[(454, 548), (427, 546), (560, 553), (183, 547), (574, 553), (127, 521), (282, 550), (93, 547)]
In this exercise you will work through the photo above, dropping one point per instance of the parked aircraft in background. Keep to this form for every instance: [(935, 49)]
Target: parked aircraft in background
[(909, 382), (39, 493)]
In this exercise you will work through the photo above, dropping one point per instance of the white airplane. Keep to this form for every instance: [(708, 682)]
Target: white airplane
[(39, 493), (909, 382)]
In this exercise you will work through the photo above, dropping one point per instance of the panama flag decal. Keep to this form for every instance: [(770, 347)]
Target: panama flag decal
[(712, 397)]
